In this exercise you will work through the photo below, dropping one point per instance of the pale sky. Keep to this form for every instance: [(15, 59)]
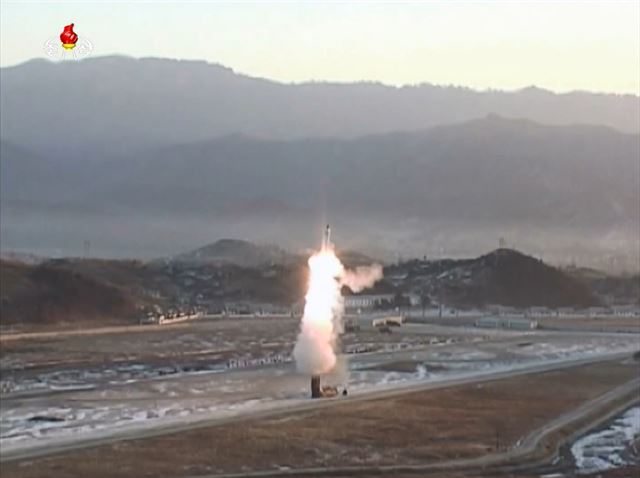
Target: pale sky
[(560, 46)]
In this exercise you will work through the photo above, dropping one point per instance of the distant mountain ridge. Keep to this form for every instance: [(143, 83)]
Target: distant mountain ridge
[(146, 157), (236, 251), (562, 189), (248, 254), (114, 104)]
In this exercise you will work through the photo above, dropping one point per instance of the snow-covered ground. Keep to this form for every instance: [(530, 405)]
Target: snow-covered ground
[(90, 403), (605, 449), (25, 428)]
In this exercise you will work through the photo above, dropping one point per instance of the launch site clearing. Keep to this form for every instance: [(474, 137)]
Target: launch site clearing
[(124, 394)]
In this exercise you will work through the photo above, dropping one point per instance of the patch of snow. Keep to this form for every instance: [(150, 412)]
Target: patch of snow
[(603, 450)]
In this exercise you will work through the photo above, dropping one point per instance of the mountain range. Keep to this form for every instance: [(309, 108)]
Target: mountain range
[(235, 251), (119, 104), (153, 157)]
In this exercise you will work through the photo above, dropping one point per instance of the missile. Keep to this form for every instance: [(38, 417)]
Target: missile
[(326, 239)]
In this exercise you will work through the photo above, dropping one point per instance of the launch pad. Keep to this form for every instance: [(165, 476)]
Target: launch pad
[(317, 391), (315, 387)]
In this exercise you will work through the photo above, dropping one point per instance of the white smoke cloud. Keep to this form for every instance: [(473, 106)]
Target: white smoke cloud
[(321, 322), (362, 277)]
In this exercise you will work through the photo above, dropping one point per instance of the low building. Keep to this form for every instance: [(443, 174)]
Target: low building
[(567, 312), (366, 301), (521, 324), (597, 311), (626, 310), (511, 323), (539, 312), (495, 309), (488, 323)]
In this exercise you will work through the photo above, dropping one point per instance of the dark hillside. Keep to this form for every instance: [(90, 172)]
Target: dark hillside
[(504, 276), (47, 294), (510, 278)]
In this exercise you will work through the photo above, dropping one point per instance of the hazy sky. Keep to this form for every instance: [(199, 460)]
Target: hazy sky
[(507, 45)]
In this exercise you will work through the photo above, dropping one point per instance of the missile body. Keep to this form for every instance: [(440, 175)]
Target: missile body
[(326, 239)]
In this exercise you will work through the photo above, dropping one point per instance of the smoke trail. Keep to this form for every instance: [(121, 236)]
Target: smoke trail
[(321, 323), (362, 277)]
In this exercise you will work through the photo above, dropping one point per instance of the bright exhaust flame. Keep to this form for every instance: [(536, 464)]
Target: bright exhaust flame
[(314, 350), (321, 323)]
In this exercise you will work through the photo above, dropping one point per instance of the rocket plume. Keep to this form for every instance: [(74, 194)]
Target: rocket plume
[(321, 322), (314, 350)]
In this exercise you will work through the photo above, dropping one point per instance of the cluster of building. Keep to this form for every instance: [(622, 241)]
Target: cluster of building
[(512, 323), (593, 312), (380, 301), (169, 318)]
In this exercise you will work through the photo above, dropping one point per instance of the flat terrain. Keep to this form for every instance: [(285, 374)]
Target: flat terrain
[(115, 389), (595, 324), (215, 338), (431, 426), (574, 324)]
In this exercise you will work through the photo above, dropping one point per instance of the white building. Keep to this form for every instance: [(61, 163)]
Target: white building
[(597, 311), (366, 301), (626, 311), (539, 312), (506, 323), (567, 312)]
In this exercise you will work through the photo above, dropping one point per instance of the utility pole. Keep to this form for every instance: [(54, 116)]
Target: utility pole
[(440, 291)]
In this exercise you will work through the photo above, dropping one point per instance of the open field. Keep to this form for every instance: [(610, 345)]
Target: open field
[(246, 337), (431, 426), (69, 390), (595, 324)]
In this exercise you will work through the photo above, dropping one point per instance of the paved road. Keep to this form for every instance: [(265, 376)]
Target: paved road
[(113, 329), (126, 329), (286, 408)]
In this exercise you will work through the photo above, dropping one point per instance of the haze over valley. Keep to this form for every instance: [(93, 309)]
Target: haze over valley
[(202, 153)]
